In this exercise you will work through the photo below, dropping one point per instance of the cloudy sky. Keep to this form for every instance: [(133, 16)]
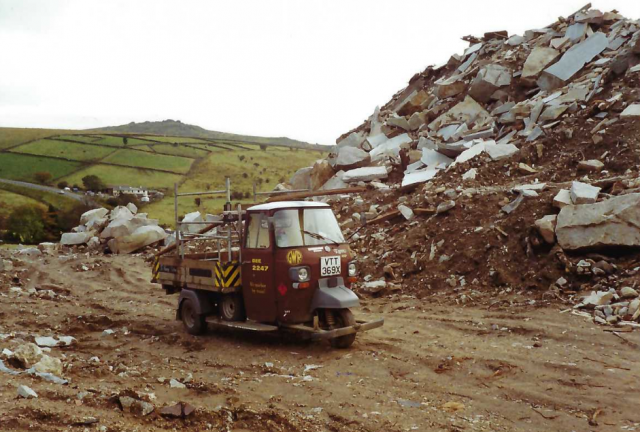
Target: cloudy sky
[(309, 70)]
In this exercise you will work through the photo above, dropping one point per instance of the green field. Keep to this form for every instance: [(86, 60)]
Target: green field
[(117, 141), (111, 175), (150, 160), (180, 150), (73, 151), (274, 165), (10, 137), (175, 139), (23, 167)]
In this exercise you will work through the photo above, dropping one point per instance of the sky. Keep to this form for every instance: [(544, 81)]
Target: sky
[(309, 70)]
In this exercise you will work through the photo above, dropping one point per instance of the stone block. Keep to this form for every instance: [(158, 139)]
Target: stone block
[(611, 223), (582, 193), (572, 61), (365, 174)]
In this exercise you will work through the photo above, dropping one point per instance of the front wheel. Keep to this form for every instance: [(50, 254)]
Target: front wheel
[(193, 321), (344, 318)]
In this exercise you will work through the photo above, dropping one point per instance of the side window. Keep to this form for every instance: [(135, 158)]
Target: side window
[(258, 231)]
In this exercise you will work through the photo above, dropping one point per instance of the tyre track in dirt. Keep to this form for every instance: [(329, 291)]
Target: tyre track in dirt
[(431, 367)]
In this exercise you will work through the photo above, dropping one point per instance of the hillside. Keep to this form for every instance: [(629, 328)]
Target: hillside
[(179, 129), (151, 161)]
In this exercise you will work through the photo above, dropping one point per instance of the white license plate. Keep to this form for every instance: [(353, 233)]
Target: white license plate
[(330, 266)]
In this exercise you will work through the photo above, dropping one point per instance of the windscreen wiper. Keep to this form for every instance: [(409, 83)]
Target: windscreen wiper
[(320, 237)]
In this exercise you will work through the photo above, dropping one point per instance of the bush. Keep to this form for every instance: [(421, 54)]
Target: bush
[(27, 223), (63, 184), (43, 177), (71, 218), (93, 183)]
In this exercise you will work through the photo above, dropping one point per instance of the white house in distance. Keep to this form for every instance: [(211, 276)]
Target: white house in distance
[(139, 192)]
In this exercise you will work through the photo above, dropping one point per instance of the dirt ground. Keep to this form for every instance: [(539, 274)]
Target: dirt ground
[(434, 366)]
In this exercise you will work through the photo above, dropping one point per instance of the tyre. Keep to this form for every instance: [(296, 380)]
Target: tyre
[(232, 307), (193, 322), (344, 318)]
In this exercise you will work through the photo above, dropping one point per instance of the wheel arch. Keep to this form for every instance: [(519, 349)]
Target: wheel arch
[(202, 302)]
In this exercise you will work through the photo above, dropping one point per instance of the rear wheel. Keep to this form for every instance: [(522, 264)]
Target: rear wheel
[(192, 320), (232, 307), (343, 318)]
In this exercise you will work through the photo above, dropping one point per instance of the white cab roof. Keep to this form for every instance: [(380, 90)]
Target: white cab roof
[(287, 204)]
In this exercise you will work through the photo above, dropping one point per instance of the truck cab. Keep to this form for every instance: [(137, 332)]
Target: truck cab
[(295, 262)]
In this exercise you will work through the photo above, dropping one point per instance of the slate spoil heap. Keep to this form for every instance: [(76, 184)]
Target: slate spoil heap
[(513, 168)]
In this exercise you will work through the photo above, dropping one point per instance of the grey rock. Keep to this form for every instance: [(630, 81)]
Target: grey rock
[(582, 193), (406, 212), (351, 157), (611, 223), (562, 198), (26, 392), (301, 179), (573, 61), (539, 58), (628, 293), (546, 227), (365, 174), (631, 111), (590, 166), (501, 151), (445, 207), (489, 79)]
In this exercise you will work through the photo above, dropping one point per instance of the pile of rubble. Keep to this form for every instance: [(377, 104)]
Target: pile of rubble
[(549, 118), (123, 230)]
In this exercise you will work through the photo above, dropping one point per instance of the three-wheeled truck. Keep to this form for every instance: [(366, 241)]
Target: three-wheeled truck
[(282, 266)]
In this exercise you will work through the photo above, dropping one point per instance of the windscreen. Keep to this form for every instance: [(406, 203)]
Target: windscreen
[(306, 227)]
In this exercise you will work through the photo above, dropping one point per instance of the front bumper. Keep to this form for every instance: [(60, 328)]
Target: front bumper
[(317, 334)]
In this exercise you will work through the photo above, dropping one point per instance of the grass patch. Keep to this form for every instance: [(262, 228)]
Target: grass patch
[(23, 167), (117, 141), (150, 160), (126, 176), (274, 164), (180, 150), (10, 137), (11, 200), (78, 152), (170, 139)]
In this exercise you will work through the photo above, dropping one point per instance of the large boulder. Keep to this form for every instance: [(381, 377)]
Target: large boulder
[(365, 174), (301, 179), (141, 237), (335, 182), (321, 172), (611, 223), (120, 212), (351, 157), (91, 215), (191, 217), (70, 239), (490, 78), (124, 227)]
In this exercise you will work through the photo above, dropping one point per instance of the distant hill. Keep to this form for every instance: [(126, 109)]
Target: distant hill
[(177, 128)]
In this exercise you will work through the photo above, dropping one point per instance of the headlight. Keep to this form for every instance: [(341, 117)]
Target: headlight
[(352, 269), (303, 274)]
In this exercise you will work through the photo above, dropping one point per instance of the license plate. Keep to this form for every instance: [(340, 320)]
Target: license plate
[(330, 266)]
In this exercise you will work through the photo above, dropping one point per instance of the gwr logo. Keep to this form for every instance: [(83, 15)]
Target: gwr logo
[(294, 257)]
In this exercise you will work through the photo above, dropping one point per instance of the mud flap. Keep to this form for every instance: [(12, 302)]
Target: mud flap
[(200, 299), (339, 297)]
